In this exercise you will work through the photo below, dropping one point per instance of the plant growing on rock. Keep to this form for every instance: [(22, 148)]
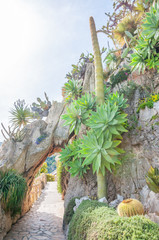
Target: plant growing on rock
[(72, 159), (121, 76), (146, 53), (128, 23), (78, 112), (118, 100), (74, 117), (152, 179), (41, 109), (12, 190), (20, 114), (72, 90), (14, 134)]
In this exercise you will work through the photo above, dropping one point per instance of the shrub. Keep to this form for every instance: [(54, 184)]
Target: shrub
[(50, 177), (44, 168), (69, 211), (96, 221), (59, 177), (12, 191), (148, 102), (121, 76)]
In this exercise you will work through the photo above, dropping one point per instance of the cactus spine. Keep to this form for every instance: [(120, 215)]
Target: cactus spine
[(99, 89), (130, 207)]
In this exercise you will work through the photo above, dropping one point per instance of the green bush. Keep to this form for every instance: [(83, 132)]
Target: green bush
[(43, 169), (59, 177), (148, 102), (96, 221), (121, 76), (69, 211), (12, 191), (50, 177)]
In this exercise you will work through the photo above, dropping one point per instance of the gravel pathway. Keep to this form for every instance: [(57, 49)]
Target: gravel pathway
[(43, 221)]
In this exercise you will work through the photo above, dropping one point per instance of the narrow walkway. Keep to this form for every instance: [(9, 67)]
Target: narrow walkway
[(43, 221)]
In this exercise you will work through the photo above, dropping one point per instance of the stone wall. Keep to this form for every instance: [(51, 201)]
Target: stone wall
[(5, 219)]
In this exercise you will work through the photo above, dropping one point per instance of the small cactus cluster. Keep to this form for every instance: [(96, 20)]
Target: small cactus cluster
[(130, 207), (42, 107), (15, 134), (152, 179)]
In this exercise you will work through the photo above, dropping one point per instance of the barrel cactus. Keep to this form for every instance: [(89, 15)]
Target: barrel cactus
[(130, 207)]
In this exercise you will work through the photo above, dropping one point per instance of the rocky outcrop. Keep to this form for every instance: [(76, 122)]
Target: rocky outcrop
[(28, 155)]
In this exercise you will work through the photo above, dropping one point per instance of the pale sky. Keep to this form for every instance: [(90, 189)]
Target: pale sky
[(39, 41)]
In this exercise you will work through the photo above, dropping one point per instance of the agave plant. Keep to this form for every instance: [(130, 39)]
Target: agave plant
[(118, 100), (146, 50), (72, 90), (101, 152), (77, 168), (152, 179), (70, 153), (20, 114), (151, 23), (108, 120), (87, 102), (75, 116), (72, 160)]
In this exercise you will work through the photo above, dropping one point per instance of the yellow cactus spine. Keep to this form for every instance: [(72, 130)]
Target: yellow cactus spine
[(99, 89), (130, 207)]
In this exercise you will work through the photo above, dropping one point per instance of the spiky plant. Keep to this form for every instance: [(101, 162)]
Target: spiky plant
[(130, 207), (152, 179), (128, 23), (12, 189), (72, 90), (74, 117), (20, 114)]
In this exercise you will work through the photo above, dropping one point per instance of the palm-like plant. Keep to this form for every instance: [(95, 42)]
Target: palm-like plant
[(20, 114), (72, 90)]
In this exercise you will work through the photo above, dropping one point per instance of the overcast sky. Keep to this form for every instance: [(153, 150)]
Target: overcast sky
[(39, 40)]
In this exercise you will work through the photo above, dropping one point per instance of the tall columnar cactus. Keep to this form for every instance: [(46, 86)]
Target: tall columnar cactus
[(99, 85), (130, 207), (99, 89)]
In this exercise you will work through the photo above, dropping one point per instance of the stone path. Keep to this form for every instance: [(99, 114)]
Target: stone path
[(43, 221)]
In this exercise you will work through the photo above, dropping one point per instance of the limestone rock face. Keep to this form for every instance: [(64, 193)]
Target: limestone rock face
[(27, 156), (81, 187)]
